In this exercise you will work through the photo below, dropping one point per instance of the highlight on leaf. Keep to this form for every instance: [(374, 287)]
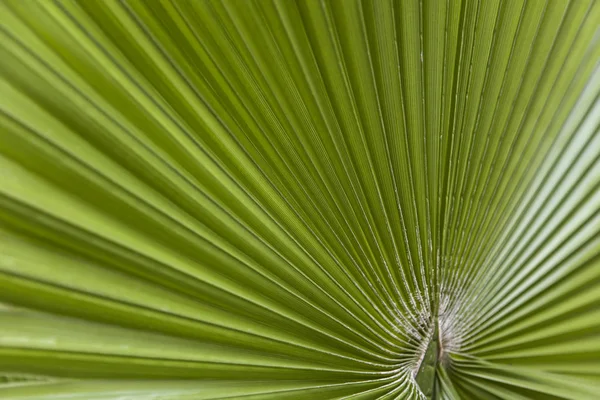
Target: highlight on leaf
[(299, 199)]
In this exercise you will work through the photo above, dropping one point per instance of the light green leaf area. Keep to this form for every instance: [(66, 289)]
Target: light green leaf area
[(300, 199)]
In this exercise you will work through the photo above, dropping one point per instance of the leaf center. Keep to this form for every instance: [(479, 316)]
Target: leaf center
[(426, 369)]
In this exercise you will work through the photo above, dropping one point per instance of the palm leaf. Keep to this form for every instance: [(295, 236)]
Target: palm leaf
[(299, 199)]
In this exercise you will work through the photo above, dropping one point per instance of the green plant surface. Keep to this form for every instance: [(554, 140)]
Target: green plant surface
[(300, 199)]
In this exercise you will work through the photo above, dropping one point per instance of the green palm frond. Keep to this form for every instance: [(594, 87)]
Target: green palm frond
[(278, 199)]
